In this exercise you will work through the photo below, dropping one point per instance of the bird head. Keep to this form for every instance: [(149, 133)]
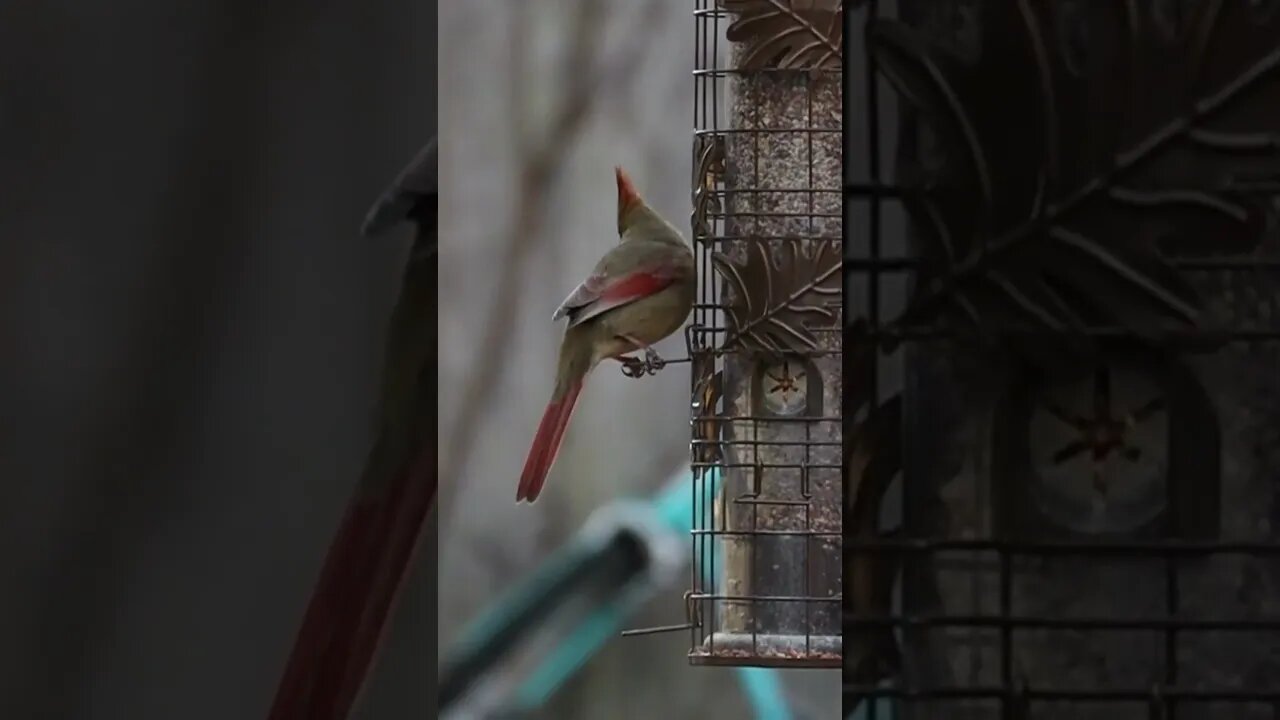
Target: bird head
[(636, 220), (630, 204)]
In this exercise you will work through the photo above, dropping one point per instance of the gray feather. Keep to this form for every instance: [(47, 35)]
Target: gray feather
[(413, 196)]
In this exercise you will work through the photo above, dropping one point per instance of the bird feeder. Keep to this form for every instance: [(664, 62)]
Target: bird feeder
[(765, 342), (1091, 402)]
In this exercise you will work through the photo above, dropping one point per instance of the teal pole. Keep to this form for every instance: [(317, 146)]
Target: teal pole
[(673, 508)]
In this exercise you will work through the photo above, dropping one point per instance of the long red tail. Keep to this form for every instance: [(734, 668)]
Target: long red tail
[(546, 443), (356, 593)]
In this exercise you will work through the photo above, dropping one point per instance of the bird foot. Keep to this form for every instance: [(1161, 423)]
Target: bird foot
[(636, 367)]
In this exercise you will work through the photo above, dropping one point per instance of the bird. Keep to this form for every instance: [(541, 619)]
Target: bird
[(373, 549), (640, 292)]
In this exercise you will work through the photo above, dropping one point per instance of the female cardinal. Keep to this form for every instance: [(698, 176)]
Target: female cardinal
[(373, 550), (640, 292)]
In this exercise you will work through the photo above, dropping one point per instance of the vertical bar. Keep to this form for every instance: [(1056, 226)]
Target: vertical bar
[(1171, 632), (846, 47), (1170, 705), (698, 563), (1006, 633), (874, 245), (808, 426), (713, 80), (759, 471), (695, 564), (873, 171), (808, 517), (754, 534)]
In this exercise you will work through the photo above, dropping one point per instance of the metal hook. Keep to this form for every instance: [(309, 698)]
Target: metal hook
[(692, 621), (692, 610), (693, 339)]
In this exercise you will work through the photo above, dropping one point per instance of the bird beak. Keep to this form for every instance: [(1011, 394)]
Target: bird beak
[(627, 195)]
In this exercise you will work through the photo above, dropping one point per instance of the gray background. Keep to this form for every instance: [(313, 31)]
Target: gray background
[(190, 329)]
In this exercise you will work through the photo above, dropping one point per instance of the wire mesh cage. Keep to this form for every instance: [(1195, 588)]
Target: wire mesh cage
[(1067, 259), (765, 341)]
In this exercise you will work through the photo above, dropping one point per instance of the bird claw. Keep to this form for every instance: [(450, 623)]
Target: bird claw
[(650, 365), (632, 367)]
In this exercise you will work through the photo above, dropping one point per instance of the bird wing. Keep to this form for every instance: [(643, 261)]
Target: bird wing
[(412, 196), (602, 292), (358, 588)]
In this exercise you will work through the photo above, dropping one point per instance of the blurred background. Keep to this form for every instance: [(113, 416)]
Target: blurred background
[(539, 100), (190, 331)]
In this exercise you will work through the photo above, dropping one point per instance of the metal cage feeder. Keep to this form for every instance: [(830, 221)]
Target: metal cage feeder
[(1084, 200), (765, 341)]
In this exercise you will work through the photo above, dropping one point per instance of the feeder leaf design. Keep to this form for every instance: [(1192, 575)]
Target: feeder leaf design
[(1065, 219), (709, 166), (707, 423), (787, 34), (779, 293), (872, 457)]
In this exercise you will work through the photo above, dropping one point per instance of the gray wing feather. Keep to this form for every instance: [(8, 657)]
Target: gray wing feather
[(581, 296), (413, 196)]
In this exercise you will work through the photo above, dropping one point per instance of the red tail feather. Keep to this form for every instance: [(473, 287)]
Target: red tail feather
[(355, 596), (546, 443)]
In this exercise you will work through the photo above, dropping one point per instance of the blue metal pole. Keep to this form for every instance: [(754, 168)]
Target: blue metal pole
[(673, 507)]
